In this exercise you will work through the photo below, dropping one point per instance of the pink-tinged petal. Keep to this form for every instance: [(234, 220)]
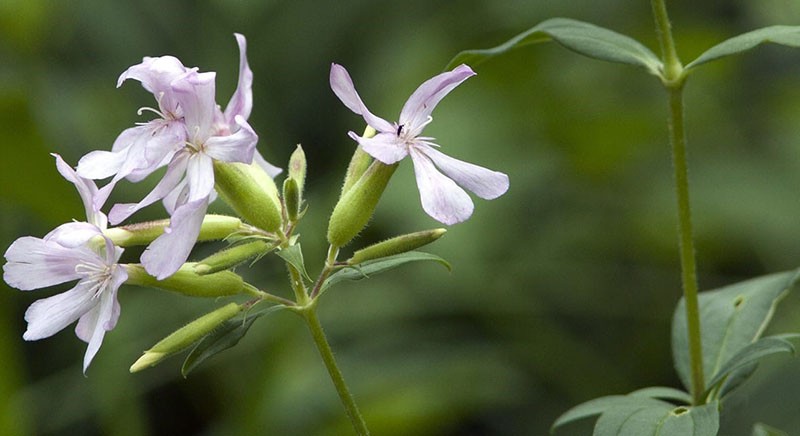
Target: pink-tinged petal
[(195, 94), (177, 197), (94, 324), (422, 102), (173, 176), (241, 102), (169, 251), (100, 164), (74, 234), (484, 182), (238, 147), (48, 316), (33, 263), (441, 197), (386, 147), (92, 200), (342, 86), (200, 177), (155, 74), (268, 168)]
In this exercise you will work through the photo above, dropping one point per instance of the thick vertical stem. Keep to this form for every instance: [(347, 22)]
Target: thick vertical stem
[(325, 351), (673, 78)]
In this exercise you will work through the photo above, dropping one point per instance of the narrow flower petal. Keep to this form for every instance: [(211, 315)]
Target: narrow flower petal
[(93, 325), (441, 197), (172, 177), (92, 201), (48, 316), (484, 182), (238, 147), (268, 168), (199, 177), (169, 251), (422, 102), (386, 147), (100, 164), (241, 102), (74, 234), (195, 94), (342, 86), (34, 263)]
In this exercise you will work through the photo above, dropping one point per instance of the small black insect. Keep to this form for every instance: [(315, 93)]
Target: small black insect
[(399, 129)]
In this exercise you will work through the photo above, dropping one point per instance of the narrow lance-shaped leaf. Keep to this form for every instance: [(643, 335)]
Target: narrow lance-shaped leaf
[(370, 268), (580, 37), (783, 35)]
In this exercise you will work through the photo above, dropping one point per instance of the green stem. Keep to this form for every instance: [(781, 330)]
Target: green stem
[(310, 315), (673, 79), (330, 265)]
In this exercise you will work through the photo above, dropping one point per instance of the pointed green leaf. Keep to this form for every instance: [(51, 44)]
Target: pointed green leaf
[(732, 318), (750, 355), (601, 405), (784, 35), (222, 338), (663, 393), (580, 37), (294, 256), (372, 267), (647, 420), (761, 429)]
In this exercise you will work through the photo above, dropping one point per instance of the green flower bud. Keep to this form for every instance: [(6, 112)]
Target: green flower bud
[(297, 167), (291, 198), (396, 245), (358, 164), (185, 336), (356, 206), (188, 282), (232, 256), (250, 192), (214, 227)]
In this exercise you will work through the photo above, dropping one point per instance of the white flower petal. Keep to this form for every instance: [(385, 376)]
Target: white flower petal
[(103, 317), (268, 168), (92, 199), (484, 182), (199, 176), (74, 234), (386, 147), (238, 147), (241, 102), (169, 251), (342, 86), (48, 316), (195, 94), (422, 102), (101, 164), (441, 197), (34, 263), (173, 176)]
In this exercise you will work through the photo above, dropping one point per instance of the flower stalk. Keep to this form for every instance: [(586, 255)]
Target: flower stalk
[(673, 79)]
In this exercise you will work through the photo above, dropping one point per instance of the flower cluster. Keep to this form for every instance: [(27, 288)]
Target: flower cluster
[(206, 150)]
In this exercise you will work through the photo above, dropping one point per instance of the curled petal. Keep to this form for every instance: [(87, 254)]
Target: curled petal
[(422, 102), (169, 251), (238, 147), (342, 86), (386, 147), (241, 102), (172, 177), (74, 234), (195, 94), (92, 201), (484, 182), (156, 75), (441, 197), (48, 316)]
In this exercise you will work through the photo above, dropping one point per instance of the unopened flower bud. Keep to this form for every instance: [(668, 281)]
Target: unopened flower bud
[(214, 227), (185, 336), (297, 167), (396, 245), (188, 282), (232, 256), (358, 164), (250, 192), (356, 206), (291, 198)]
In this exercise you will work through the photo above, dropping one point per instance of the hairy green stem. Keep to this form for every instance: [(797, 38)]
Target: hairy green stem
[(312, 321), (673, 79)]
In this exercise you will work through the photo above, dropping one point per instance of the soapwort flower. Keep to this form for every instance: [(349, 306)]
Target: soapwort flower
[(72, 251), (441, 196)]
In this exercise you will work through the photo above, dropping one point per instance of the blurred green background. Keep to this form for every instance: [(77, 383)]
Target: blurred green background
[(562, 290)]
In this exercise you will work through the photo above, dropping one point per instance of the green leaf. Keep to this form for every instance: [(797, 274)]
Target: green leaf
[(663, 393), (732, 318), (601, 405), (222, 338), (784, 35), (372, 267), (294, 256), (749, 355), (646, 420), (580, 37), (761, 429)]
